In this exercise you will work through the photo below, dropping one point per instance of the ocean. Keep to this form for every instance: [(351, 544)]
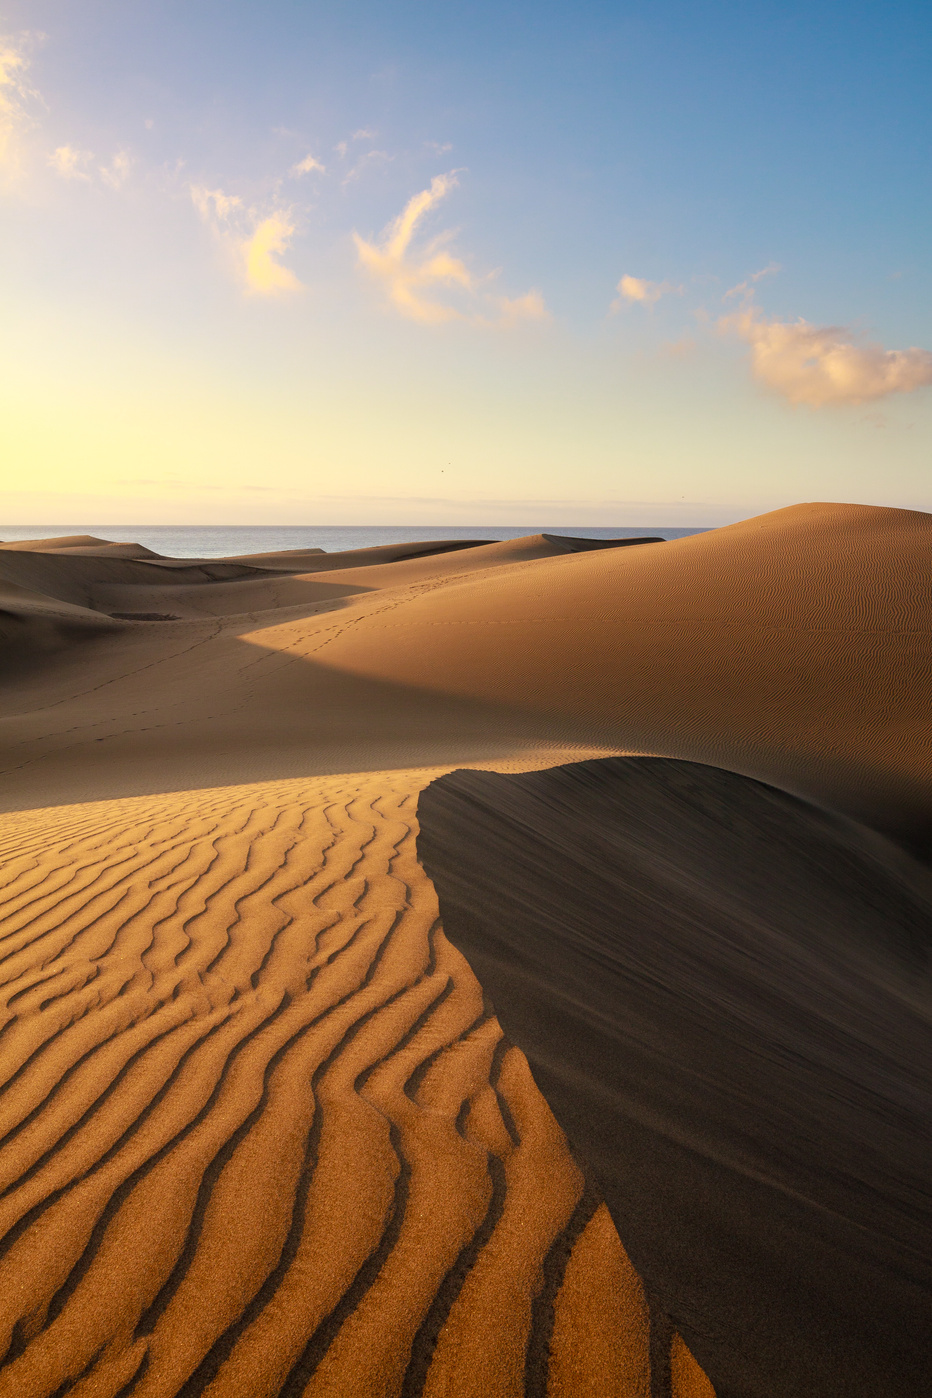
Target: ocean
[(221, 541)]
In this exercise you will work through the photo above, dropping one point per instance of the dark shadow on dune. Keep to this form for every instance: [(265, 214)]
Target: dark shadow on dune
[(29, 637), (570, 543), (725, 995)]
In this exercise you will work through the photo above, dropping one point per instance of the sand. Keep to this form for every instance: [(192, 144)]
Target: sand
[(726, 997), (261, 1131)]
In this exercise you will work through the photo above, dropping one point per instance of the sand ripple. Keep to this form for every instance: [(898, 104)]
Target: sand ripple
[(260, 1133)]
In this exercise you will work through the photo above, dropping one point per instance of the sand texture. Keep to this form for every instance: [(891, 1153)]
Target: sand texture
[(260, 1131)]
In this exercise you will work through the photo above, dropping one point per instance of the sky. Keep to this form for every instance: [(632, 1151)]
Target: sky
[(300, 262)]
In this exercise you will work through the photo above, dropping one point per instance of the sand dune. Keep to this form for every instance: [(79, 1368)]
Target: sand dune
[(262, 1134), (726, 997), (771, 647), (81, 544)]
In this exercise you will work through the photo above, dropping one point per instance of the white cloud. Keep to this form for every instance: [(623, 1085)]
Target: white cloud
[(67, 161), (264, 274), (823, 365), (305, 166), (413, 278), (116, 173), (642, 292)]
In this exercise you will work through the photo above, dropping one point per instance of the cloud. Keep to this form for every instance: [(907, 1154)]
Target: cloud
[(214, 201), (363, 163), (642, 292), (254, 239), (15, 96), (115, 174), (305, 166), (824, 365), (364, 134), (530, 306), (745, 289), (412, 278), (263, 273), (405, 279), (67, 162)]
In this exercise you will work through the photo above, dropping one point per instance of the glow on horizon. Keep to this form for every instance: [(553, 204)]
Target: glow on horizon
[(204, 321)]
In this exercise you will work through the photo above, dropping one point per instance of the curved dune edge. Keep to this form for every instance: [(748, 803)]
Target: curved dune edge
[(726, 996), (260, 1132)]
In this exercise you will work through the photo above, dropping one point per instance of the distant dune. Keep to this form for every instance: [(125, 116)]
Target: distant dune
[(261, 1133)]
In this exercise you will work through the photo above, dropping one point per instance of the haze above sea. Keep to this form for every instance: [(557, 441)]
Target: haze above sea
[(223, 541)]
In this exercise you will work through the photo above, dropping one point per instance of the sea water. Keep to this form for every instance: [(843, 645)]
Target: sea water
[(224, 541)]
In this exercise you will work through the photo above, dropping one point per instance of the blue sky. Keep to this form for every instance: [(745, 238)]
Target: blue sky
[(595, 264)]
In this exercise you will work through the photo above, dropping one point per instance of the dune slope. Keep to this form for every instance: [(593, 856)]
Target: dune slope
[(795, 648), (726, 997)]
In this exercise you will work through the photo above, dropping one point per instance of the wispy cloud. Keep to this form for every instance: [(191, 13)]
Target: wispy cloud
[(822, 365), (255, 239), (117, 172), (530, 306), (264, 273), (305, 166), (746, 288), (365, 133), (16, 96), (413, 278), (639, 291), (406, 278), (67, 161), (214, 203), (370, 158)]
